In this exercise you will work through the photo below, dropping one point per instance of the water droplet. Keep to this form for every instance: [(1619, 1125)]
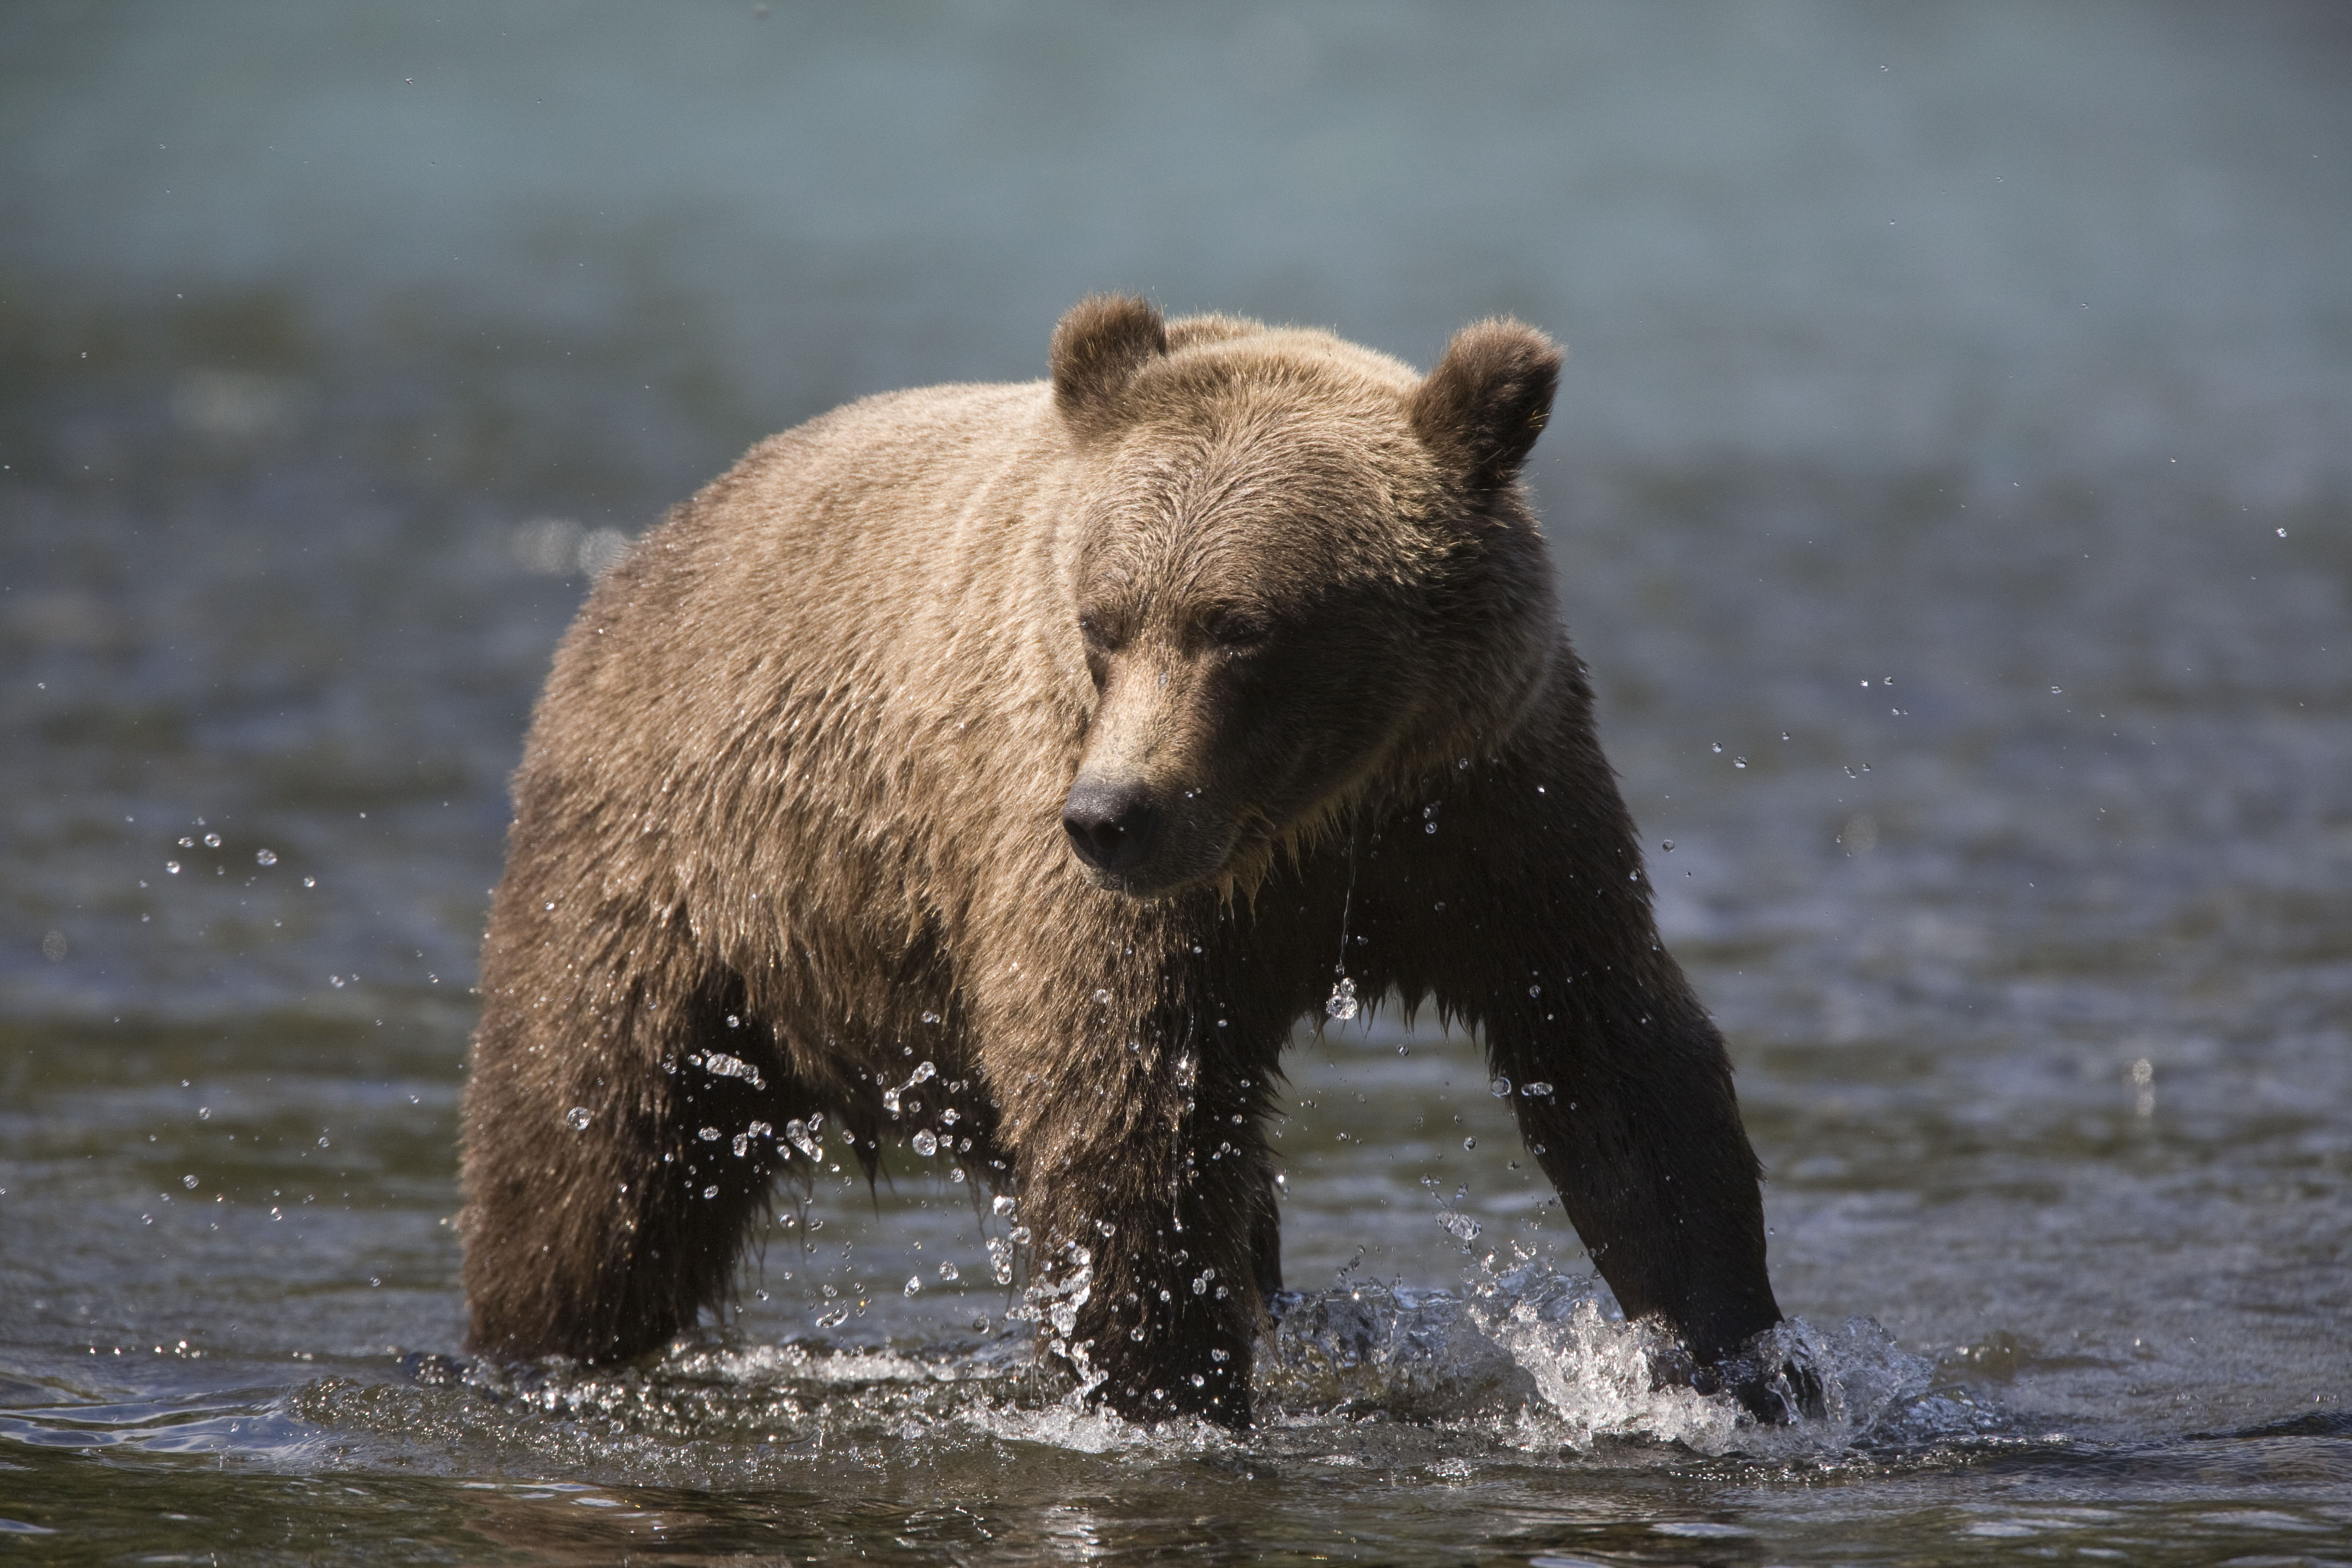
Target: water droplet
[(724, 1065), (1020, 1235), (742, 1145), (1534, 990), (212, 840), (264, 858), (578, 1118), (1469, 1142), (1102, 999), (1536, 1091), (926, 1145), (2056, 690), (1342, 1004), (1668, 844), (1001, 1205), (187, 843), (949, 1272), (173, 866), (710, 1192), (1500, 1087), (189, 1183), (914, 1284), (1717, 747), (709, 1135), (1739, 762), (310, 881)]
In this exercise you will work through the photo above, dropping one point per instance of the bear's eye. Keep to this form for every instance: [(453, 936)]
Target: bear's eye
[(1235, 632), (1097, 639)]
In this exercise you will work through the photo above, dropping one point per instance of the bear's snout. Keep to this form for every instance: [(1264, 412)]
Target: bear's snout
[(1111, 823)]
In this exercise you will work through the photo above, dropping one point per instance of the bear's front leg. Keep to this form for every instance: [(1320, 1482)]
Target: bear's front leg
[(1145, 1192), (1527, 911), (1625, 1101)]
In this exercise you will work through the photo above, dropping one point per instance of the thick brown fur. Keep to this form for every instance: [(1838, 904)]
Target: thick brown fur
[(791, 820)]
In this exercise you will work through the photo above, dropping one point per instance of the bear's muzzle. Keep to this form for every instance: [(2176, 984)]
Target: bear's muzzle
[(1112, 824)]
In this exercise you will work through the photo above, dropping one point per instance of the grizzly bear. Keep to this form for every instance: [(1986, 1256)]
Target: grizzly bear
[(1004, 763)]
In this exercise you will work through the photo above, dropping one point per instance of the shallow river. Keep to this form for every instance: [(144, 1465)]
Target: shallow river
[(1970, 613)]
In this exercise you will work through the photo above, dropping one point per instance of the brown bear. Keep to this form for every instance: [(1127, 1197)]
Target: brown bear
[(1052, 735)]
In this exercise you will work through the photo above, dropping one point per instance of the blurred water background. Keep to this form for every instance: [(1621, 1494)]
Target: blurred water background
[(1952, 492)]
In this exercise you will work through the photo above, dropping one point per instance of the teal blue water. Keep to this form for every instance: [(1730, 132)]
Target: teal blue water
[(1948, 494)]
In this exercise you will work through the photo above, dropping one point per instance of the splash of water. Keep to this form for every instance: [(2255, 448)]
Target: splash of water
[(1525, 1361), (1539, 1351)]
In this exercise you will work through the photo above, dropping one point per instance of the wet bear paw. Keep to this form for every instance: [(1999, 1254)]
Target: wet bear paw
[(1774, 1386)]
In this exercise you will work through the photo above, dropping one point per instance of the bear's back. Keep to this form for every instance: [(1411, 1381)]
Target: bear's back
[(818, 655)]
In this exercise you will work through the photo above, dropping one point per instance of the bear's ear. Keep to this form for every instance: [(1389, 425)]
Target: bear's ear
[(1484, 405), (1097, 348)]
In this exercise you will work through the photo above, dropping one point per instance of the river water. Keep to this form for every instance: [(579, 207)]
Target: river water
[(1950, 493)]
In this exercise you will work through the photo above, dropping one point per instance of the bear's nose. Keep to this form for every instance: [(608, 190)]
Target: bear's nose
[(1110, 825)]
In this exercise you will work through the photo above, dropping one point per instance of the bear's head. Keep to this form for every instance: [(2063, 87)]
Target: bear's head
[(1296, 573)]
